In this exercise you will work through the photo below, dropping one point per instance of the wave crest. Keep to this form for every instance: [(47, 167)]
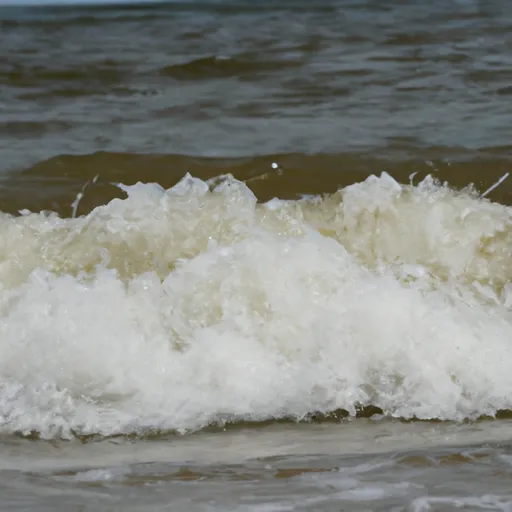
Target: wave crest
[(181, 308)]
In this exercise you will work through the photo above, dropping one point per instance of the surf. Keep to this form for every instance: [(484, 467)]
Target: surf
[(182, 308)]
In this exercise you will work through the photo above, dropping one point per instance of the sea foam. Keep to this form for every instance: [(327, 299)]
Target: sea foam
[(176, 309)]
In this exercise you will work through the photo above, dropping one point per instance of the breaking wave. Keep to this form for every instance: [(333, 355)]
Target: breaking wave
[(176, 309)]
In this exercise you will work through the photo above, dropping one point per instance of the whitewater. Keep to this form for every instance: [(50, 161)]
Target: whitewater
[(173, 310)]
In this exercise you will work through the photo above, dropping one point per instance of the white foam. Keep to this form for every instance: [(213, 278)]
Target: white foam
[(102, 475), (487, 502), (175, 309)]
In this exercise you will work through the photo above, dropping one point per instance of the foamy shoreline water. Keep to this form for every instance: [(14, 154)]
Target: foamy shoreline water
[(181, 308)]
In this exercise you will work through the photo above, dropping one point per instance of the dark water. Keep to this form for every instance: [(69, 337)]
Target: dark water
[(172, 351), (333, 91)]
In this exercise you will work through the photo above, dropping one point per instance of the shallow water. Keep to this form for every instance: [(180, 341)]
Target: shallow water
[(359, 465), (291, 310)]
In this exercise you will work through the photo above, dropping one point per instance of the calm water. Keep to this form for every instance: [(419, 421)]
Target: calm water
[(248, 249)]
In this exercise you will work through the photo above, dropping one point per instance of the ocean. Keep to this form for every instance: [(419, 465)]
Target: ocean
[(256, 256)]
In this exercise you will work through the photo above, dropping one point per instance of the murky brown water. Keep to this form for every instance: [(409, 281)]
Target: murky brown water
[(333, 91), (144, 325)]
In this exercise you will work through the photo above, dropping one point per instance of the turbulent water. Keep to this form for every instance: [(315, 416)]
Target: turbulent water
[(173, 310), (247, 249)]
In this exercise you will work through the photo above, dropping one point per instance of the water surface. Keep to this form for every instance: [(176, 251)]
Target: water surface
[(249, 259)]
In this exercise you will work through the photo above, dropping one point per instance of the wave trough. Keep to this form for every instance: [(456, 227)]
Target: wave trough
[(172, 310)]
